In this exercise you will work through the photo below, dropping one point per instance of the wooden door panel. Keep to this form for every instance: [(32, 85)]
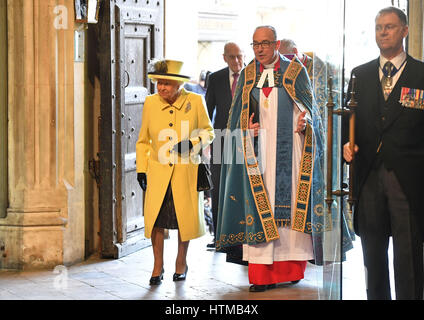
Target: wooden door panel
[(133, 42), (136, 37)]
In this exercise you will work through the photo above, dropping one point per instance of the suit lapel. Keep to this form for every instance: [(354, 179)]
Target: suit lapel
[(226, 83)]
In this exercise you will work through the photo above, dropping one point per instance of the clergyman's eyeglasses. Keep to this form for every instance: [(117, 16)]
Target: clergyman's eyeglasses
[(264, 44)]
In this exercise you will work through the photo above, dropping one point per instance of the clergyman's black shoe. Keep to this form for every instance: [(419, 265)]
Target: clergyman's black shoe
[(154, 281), (261, 288), (180, 277), (257, 288)]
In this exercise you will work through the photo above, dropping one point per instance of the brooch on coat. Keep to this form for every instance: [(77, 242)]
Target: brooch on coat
[(188, 107), (412, 98)]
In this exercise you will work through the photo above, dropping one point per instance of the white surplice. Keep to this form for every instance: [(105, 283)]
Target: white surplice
[(292, 245)]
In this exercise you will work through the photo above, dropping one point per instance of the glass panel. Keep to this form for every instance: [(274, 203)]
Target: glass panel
[(360, 38), (220, 21), (360, 47), (331, 50)]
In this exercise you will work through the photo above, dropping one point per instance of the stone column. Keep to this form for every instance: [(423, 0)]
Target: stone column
[(41, 135), (416, 26)]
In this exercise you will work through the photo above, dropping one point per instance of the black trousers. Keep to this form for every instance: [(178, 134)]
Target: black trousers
[(217, 148), (216, 173), (383, 212)]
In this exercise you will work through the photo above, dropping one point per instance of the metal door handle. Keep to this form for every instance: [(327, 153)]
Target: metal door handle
[(128, 75), (350, 110)]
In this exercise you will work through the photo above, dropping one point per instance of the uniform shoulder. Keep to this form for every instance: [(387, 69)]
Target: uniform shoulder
[(415, 62)]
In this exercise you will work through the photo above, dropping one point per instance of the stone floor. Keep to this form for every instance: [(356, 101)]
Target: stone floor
[(209, 278)]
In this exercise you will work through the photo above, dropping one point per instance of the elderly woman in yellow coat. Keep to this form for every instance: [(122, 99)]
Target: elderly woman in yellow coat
[(175, 126)]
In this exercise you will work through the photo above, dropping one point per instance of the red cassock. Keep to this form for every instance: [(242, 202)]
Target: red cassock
[(278, 272)]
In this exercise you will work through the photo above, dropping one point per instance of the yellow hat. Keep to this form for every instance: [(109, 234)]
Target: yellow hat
[(168, 69)]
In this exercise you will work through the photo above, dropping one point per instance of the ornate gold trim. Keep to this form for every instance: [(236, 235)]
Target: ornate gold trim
[(255, 178), (304, 182), (290, 76)]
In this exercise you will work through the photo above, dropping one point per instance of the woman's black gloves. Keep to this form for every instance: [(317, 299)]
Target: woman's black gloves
[(183, 146), (142, 180)]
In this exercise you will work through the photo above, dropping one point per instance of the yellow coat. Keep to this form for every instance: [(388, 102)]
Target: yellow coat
[(162, 127)]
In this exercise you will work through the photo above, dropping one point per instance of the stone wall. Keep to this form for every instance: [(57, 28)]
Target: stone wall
[(44, 225)]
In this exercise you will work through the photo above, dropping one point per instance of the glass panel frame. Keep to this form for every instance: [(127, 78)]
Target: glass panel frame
[(3, 111), (333, 54)]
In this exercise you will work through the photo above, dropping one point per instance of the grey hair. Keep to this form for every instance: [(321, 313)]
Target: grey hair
[(230, 43), (269, 27), (400, 13), (288, 43)]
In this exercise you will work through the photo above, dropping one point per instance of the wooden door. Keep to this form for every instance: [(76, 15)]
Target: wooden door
[(132, 35)]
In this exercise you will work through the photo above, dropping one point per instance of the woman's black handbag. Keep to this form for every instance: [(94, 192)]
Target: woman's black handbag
[(204, 175)]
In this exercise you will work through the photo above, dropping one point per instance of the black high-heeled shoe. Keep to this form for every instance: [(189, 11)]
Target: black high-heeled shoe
[(180, 277), (154, 281)]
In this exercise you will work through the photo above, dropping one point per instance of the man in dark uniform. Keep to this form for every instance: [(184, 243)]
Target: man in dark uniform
[(389, 161)]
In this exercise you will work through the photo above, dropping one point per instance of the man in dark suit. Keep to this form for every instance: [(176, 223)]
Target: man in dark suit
[(218, 97), (389, 161)]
